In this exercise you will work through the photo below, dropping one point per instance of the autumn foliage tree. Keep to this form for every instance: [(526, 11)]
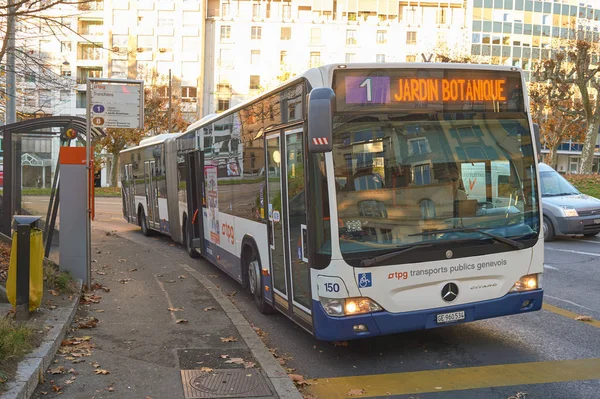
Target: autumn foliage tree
[(555, 108), (571, 64)]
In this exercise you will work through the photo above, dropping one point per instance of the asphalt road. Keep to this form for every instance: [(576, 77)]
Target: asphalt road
[(546, 354)]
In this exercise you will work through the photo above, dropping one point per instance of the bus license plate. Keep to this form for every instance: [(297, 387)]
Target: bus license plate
[(451, 317), (596, 221)]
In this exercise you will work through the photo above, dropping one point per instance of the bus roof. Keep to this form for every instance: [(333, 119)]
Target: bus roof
[(322, 76)]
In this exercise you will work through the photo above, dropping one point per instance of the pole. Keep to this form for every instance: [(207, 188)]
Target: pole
[(23, 245), (11, 90), (170, 92), (88, 212)]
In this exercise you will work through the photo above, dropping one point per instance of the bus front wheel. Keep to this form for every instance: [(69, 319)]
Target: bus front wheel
[(255, 282)]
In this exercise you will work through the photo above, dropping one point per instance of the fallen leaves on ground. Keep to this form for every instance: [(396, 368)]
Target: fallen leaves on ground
[(124, 280), (133, 270), (98, 286), (181, 321), (206, 369), (224, 356), (174, 309), (229, 339), (249, 365), (56, 370), (101, 371), (209, 308), (56, 388), (95, 365), (518, 395), (183, 276), (169, 281), (298, 380), (87, 299), (98, 272), (76, 348), (583, 318), (89, 322), (53, 293), (213, 275), (356, 392), (290, 370), (259, 332), (110, 389), (232, 294)]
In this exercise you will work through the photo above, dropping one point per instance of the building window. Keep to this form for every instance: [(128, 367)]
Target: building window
[(225, 32), (441, 16), (254, 56), (380, 58), (255, 32), (254, 82), (422, 174), (381, 36), (315, 59), (283, 57), (225, 9), (65, 70), (46, 98), (411, 37), (65, 47), (222, 105), (65, 95), (315, 36), (255, 10), (145, 43), (165, 44), (286, 33), (418, 146), (411, 58), (287, 11), (189, 93), (351, 37), (350, 57)]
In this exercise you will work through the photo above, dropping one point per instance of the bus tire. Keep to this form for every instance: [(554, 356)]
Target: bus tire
[(187, 238), (548, 230), (252, 265), (143, 223)]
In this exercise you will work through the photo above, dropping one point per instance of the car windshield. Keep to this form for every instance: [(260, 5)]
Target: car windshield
[(399, 177), (553, 185)]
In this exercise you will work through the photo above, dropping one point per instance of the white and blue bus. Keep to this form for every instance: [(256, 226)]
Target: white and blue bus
[(359, 199)]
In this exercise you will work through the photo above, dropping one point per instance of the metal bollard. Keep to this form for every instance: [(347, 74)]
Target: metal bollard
[(24, 223)]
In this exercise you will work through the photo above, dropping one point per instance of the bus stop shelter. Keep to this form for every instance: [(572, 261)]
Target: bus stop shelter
[(31, 167)]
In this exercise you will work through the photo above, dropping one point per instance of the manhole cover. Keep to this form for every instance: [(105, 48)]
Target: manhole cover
[(232, 383)]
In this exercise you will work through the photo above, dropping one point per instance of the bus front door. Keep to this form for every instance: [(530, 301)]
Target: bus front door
[(287, 224)]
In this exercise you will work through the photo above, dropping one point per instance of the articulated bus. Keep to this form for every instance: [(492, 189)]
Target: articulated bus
[(359, 199)]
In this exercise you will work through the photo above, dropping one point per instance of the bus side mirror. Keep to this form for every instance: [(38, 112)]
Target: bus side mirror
[(321, 106), (538, 141)]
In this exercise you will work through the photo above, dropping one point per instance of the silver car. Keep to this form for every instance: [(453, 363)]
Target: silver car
[(566, 210)]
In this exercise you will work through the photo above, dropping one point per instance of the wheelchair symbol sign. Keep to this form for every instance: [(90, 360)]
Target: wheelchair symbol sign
[(364, 280)]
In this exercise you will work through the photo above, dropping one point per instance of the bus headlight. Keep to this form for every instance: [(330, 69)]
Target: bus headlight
[(570, 211), (349, 306), (527, 283)]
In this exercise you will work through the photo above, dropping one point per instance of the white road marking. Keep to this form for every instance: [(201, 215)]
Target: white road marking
[(573, 252), (571, 302), (550, 267)]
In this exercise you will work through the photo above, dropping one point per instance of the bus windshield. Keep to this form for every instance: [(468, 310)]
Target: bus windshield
[(401, 176)]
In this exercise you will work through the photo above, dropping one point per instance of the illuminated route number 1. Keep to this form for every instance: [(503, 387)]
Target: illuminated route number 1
[(367, 83)]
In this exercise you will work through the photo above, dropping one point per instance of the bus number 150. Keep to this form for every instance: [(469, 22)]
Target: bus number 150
[(332, 287)]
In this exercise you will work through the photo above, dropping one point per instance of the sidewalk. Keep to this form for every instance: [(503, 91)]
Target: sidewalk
[(159, 329)]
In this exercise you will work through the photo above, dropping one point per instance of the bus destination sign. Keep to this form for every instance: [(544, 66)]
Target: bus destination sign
[(440, 89)]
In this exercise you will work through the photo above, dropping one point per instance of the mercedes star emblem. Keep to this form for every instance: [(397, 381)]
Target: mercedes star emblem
[(449, 292)]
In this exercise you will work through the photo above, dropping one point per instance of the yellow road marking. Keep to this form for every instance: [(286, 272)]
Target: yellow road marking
[(457, 379), (568, 314)]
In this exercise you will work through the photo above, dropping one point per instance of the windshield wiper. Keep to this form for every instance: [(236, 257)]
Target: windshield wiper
[(376, 259), (504, 240), (559, 194)]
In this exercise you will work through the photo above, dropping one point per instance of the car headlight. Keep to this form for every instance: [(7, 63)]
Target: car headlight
[(570, 211), (349, 306), (527, 283)]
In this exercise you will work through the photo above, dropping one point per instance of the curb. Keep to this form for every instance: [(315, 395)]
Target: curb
[(284, 386), (32, 368)]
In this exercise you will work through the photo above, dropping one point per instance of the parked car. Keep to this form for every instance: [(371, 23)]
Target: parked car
[(566, 209)]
